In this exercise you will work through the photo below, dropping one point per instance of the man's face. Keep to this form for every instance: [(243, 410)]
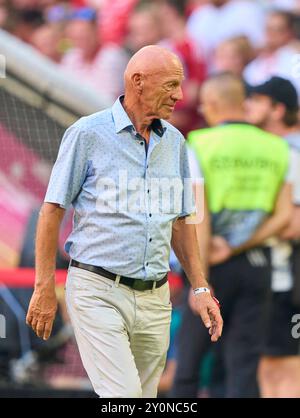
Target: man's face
[(142, 30), (278, 33), (259, 110), (219, 3), (207, 105), (161, 91), (228, 58), (83, 35)]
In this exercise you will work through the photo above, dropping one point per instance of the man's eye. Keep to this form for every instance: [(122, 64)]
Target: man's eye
[(170, 86)]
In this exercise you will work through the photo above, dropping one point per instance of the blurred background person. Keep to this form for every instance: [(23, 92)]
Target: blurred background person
[(3, 12), (219, 20), (46, 39), (279, 53), (233, 55), (247, 38), (287, 5), (115, 15), (95, 64), (235, 159), (23, 23), (144, 28), (273, 106), (175, 37)]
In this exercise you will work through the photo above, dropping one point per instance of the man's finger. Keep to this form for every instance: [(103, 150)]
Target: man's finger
[(205, 317), (217, 326), (29, 318), (34, 323), (47, 330), (40, 328)]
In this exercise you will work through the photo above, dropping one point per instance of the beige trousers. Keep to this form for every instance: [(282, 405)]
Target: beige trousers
[(122, 334)]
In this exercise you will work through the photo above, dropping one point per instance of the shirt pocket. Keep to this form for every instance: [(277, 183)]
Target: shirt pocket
[(163, 295), (82, 281)]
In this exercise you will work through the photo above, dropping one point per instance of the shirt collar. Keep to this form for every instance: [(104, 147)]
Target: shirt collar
[(122, 120)]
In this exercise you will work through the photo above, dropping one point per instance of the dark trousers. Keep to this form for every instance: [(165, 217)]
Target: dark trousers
[(242, 284)]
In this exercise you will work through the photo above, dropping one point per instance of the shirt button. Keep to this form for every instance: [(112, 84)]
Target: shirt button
[(142, 143), (147, 264), (150, 214), (148, 191), (147, 166), (150, 239)]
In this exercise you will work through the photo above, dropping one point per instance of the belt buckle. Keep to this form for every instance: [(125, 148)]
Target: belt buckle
[(138, 284)]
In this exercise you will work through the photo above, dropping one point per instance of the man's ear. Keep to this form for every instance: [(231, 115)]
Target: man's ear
[(213, 106), (279, 111), (138, 81)]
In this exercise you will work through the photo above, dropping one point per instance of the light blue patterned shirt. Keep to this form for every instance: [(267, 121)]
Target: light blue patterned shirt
[(125, 195)]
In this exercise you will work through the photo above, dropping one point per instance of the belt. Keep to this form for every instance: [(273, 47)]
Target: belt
[(136, 284)]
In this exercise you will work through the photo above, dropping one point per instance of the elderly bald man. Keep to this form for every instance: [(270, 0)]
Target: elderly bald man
[(110, 167)]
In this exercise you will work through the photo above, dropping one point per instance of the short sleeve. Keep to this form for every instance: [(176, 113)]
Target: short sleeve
[(195, 169), (188, 204), (293, 174), (69, 170)]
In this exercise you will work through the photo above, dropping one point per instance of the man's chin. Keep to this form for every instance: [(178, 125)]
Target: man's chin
[(167, 114)]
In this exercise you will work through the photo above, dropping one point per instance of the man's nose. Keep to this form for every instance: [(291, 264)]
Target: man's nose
[(177, 94)]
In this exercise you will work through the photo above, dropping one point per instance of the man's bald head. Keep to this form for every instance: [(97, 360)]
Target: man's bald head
[(226, 89), (222, 97), (153, 80), (151, 59)]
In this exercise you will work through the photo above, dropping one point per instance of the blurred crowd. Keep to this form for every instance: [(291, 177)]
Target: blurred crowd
[(92, 41)]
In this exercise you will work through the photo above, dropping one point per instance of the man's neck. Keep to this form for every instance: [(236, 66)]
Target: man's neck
[(141, 122), (89, 56), (281, 129), (231, 117)]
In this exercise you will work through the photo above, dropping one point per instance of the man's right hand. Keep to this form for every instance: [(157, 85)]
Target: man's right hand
[(42, 310)]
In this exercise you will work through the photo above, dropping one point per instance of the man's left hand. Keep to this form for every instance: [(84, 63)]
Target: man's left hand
[(204, 305)]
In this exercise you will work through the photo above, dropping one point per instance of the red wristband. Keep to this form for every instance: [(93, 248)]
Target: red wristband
[(217, 302)]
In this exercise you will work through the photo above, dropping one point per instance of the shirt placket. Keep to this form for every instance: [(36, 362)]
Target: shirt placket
[(147, 195)]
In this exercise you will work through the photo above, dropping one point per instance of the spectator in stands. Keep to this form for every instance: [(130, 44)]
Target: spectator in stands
[(115, 15), (144, 28), (3, 13), (22, 23), (25, 4), (233, 55), (192, 5), (46, 39), (58, 14), (274, 107), (220, 20), (98, 65), (281, 49), (176, 38), (287, 5)]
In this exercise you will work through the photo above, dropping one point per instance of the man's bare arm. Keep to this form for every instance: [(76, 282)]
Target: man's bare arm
[(186, 248), (43, 304), (203, 229), (292, 231), (275, 223)]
